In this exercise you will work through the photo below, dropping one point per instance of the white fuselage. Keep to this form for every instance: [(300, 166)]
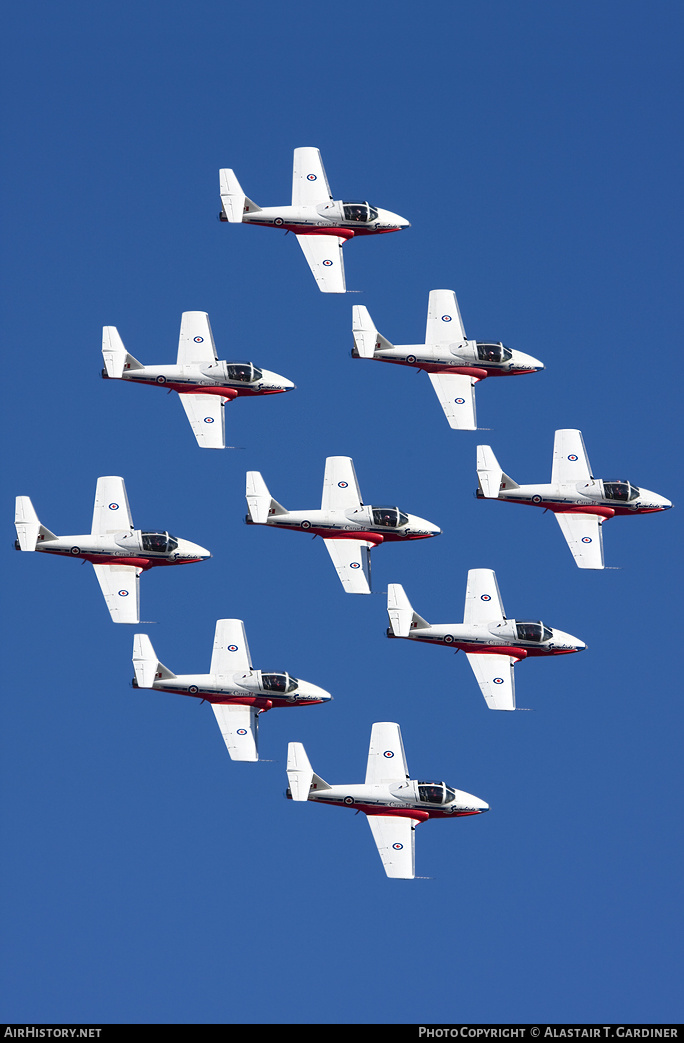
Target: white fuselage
[(352, 520), (325, 215), (450, 357), (123, 545), (584, 494), (494, 634), (247, 686), (399, 797), (207, 375)]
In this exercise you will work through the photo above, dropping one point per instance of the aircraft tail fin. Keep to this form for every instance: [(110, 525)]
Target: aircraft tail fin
[(147, 667), (234, 202), (300, 775), (367, 340), (30, 532), (116, 358), (259, 500), (490, 476), (400, 611)]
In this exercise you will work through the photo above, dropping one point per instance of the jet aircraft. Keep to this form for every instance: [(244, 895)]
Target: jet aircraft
[(493, 644), (349, 528), (117, 551), (580, 502), (392, 801), (321, 224), (237, 692), (453, 363), (203, 382)]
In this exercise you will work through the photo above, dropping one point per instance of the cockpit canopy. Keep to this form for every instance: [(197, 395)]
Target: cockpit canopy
[(281, 683), (621, 490), (532, 631), (159, 542), (358, 211), (389, 517), (435, 793), (243, 372), (493, 352)]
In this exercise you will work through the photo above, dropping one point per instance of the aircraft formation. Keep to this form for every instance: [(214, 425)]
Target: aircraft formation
[(392, 801)]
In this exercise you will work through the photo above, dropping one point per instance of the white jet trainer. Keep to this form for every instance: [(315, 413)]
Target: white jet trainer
[(492, 643), (204, 383), (580, 502), (322, 224), (393, 802), (349, 528), (237, 692), (453, 363), (117, 551)]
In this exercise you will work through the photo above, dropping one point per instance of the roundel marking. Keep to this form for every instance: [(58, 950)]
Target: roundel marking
[(448, 639), (278, 221), (311, 177), (446, 318), (498, 680), (355, 565), (161, 380), (113, 506), (327, 263), (398, 846), (232, 648), (193, 689), (342, 485), (586, 539), (536, 499), (459, 401), (306, 524), (485, 597), (75, 550), (411, 359), (123, 593), (388, 753), (199, 340), (572, 457), (348, 800), (242, 731), (208, 420)]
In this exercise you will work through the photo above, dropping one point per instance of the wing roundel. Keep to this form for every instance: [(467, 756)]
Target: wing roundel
[(386, 757)]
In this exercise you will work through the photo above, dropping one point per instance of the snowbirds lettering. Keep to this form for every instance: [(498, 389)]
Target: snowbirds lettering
[(118, 552), (453, 363), (392, 801), (237, 692), (580, 502), (350, 529), (321, 224), (492, 643), (204, 383)]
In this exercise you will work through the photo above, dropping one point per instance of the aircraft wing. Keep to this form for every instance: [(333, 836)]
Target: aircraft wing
[(324, 256), (483, 602), (456, 394), (570, 460), (230, 653), (394, 838), (207, 419), (239, 728), (494, 675), (386, 757), (120, 585), (584, 537), (351, 558), (444, 322), (340, 484), (111, 512), (309, 184), (196, 342)]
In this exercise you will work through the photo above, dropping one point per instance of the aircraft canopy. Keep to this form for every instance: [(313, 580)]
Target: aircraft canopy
[(159, 542), (359, 211), (493, 352), (389, 517), (532, 632)]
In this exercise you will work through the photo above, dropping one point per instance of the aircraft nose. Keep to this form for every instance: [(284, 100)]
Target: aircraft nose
[(482, 806)]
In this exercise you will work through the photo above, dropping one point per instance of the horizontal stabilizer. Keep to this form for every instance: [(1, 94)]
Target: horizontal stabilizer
[(490, 476), (116, 358), (233, 200), (400, 611), (147, 667), (366, 337), (300, 774), (29, 530), (259, 500)]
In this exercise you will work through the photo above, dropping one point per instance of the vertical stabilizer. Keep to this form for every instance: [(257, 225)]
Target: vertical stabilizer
[(400, 611), (147, 667), (259, 500), (367, 340), (116, 358), (29, 530)]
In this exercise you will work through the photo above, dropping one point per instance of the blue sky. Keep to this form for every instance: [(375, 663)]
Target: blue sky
[(534, 148)]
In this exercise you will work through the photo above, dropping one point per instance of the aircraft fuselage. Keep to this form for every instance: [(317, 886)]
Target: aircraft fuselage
[(125, 548), (497, 638), (584, 497), (325, 219), (208, 379), (356, 523), (244, 689), (400, 798), (455, 358)]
